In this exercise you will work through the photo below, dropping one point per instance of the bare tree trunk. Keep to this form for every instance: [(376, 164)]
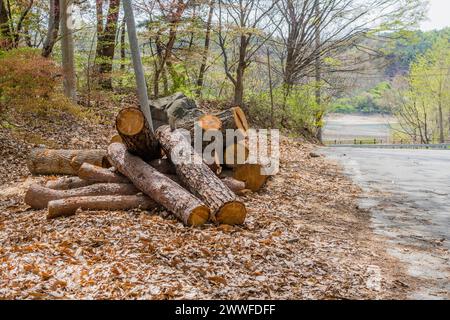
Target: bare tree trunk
[(122, 45), (269, 68), (67, 48), (203, 66), (5, 31), (53, 28), (318, 75), (239, 85), (106, 45)]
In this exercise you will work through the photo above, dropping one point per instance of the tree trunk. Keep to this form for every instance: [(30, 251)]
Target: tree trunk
[(64, 162), (200, 180), (106, 45), (53, 28), (67, 183), (97, 174), (201, 73), (122, 45), (68, 207), (163, 190), (67, 49), (38, 196), (5, 31), (136, 135)]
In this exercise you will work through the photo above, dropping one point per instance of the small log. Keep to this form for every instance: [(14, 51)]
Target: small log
[(64, 162), (200, 180), (186, 207), (66, 183), (68, 207), (235, 185), (136, 135), (38, 197), (93, 173), (252, 175)]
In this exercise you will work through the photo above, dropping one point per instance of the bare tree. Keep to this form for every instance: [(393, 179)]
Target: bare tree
[(5, 31), (106, 42), (53, 28), (203, 66), (67, 49), (244, 27)]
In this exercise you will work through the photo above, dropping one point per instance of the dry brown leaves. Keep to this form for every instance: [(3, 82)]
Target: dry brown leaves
[(304, 239)]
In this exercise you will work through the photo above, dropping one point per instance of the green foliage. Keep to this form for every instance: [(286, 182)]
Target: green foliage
[(297, 111), (368, 102)]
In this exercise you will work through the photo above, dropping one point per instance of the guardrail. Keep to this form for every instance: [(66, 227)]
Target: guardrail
[(442, 146)]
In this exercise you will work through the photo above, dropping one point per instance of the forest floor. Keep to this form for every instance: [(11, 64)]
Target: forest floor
[(305, 238)]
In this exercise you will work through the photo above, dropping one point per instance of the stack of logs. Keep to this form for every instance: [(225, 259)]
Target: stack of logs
[(137, 171)]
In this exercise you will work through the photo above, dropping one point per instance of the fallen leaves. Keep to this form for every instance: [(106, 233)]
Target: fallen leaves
[(302, 240)]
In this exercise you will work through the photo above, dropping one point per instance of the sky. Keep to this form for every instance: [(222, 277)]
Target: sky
[(438, 15)]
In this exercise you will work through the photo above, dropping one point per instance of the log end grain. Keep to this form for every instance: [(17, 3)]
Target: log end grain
[(210, 122), (251, 175), (199, 216), (232, 213), (130, 122)]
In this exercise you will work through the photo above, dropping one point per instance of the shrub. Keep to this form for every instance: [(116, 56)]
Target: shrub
[(30, 85)]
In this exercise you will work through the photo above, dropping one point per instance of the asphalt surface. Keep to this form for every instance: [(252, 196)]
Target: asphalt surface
[(408, 195)]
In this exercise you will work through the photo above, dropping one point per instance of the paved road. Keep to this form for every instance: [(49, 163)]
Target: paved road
[(408, 193)]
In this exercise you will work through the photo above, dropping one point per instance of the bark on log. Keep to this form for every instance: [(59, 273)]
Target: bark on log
[(93, 173), (66, 183), (200, 180), (68, 207), (235, 185), (64, 162), (38, 196), (136, 135), (186, 207)]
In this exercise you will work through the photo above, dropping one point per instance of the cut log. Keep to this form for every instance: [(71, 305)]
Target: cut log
[(38, 196), (252, 175), (93, 173), (64, 162), (210, 122), (136, 135), (116, 139), (235, 185), (68, 207), (66, 183), (186, 207), (233, 118), (200, 180)]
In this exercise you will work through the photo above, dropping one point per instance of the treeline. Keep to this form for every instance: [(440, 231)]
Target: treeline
[(282, 60)]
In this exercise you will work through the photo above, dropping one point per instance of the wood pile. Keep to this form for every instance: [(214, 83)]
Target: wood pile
[(137, 171)]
